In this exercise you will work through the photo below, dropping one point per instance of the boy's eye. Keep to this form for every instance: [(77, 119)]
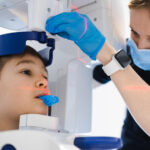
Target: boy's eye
[(27, 72)]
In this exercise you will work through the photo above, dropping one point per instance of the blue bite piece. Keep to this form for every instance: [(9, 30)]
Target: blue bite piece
[(49, 100)]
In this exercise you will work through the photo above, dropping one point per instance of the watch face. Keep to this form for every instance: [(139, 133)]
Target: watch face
[(123, 58)]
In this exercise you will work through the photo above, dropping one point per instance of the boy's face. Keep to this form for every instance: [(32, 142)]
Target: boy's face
[(140, 27), (21, 81)]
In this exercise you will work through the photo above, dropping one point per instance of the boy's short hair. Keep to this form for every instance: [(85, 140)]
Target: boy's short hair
[(136, 4), (28, 51)]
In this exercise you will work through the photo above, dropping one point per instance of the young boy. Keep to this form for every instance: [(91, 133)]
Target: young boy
[(23, 77)]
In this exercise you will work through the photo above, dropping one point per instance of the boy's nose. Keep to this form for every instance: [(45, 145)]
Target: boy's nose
[(42, 83)]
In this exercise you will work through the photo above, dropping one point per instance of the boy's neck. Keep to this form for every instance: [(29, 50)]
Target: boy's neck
[(6, 124)]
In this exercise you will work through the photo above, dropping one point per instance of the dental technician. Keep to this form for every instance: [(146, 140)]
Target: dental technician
[(133, 84), (138, 46)]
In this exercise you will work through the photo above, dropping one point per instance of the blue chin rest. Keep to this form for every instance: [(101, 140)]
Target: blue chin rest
[(15, 43)]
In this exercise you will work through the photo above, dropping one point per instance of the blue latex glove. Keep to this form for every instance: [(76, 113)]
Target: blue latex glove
[(49, 100), (78, 28)]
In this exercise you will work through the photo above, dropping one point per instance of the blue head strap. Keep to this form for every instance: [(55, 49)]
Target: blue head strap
[(15, 43)]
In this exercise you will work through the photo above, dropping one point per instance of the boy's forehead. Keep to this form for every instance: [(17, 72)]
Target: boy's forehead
[(28, 59)]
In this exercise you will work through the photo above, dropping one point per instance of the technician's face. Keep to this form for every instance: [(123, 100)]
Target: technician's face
[(140, 27), (21, 81)]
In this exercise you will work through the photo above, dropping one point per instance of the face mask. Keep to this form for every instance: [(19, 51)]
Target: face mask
[(140, 57)]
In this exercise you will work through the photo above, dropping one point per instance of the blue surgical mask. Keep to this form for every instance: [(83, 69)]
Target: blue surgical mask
[(140, 57)]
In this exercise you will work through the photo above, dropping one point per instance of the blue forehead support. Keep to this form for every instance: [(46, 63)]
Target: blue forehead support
[(15, 43)]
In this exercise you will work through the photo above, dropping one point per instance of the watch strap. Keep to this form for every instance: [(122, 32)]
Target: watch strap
[(112, 67)]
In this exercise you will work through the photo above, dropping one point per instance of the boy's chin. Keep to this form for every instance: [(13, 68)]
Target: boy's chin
[(43, 112), (40, 110)]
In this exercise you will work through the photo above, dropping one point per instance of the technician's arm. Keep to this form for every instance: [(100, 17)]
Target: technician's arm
[(78, 28), (134, 90)]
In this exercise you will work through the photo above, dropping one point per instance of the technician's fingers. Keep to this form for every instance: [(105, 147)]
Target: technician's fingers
[(63, 18), (66, 17)]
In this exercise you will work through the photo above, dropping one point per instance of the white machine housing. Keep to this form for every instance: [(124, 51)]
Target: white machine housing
[(70, 75), (37, 132)]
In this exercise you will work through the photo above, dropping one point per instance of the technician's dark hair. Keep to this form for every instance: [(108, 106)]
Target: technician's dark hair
[(136, 4), (28, 51)]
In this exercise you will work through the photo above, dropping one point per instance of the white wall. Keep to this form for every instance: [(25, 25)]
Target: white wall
[(108, 111)]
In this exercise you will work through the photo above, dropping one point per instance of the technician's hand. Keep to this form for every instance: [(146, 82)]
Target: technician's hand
[(49, 100), (78, 28)]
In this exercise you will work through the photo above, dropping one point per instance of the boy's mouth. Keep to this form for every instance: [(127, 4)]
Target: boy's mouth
[(42, 94)]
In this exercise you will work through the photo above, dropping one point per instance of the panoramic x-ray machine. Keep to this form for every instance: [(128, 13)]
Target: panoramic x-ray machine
[(70, 75)]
